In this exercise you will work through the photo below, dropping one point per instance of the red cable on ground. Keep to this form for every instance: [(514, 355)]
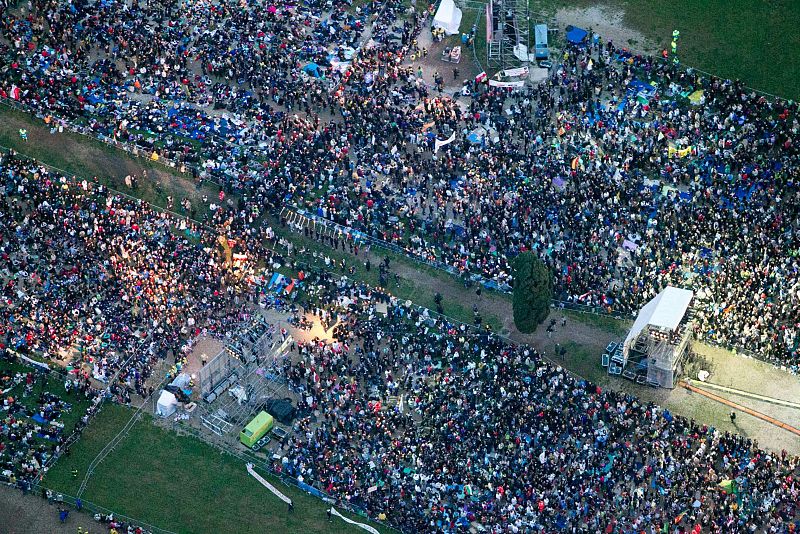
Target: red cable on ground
[(744, 409)]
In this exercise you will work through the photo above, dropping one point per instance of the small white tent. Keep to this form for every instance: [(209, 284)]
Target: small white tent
[(448, 17), (167, 404)]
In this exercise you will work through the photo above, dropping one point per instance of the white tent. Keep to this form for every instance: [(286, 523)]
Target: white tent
[(665, 311), (448, 17), (167, 404)]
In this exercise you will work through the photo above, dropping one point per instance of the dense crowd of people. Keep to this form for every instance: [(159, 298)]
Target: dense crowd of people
[(606, 169), (33, 431), (485, 427), (96, 276), (485, 433)]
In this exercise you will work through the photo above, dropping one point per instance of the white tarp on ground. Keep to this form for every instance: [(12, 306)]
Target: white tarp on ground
[(267, 485), (368, 528), (448, 17), (167, 404), (521, 53), (665, 310)]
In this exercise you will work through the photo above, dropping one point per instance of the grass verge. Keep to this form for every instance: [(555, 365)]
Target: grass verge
[(756, 42), (617, 327), (182, 484)]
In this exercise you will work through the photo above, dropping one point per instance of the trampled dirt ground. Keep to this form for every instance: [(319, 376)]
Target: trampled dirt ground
[(607, 21), (30, 514)]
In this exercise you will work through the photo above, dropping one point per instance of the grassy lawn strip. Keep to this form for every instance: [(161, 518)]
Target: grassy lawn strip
[(92, 159), (584, 362), (54, 385), (182, 484), (756, 42), (617, 327)]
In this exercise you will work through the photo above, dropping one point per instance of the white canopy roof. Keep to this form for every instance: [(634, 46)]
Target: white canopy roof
[(167, 403), (448, 17), (665, 310)]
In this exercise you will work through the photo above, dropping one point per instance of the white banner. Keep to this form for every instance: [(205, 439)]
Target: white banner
[(439, 144), (267, 485), (368, 528), (32, 362), (495, 83), (519, 71)]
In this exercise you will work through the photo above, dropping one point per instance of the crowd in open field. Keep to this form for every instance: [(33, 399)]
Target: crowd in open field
[(478, 412), (606, 169), (490, 433), (33, 430), (92, 275), (434, 466), (622, 187)]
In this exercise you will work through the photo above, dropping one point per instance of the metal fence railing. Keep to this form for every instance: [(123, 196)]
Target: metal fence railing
[(591, 310), (80, 504), (289, 213)]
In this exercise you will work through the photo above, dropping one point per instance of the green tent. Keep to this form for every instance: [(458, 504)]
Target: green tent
[(728, 486)]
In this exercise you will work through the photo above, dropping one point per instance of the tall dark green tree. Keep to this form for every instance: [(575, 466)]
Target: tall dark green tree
[(533, 291)]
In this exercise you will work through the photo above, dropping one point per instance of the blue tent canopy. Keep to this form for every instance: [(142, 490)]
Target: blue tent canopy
[(638, 86), (576, 35), (312, 69)]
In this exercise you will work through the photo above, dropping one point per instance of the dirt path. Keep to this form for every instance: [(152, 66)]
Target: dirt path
[(608, 22), (31, 514)]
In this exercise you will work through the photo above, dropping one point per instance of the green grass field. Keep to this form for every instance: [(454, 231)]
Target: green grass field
[(182, 484), (757, 42)]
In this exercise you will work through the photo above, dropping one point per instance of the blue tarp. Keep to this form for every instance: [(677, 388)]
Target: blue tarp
[(311, 489), (638, 86), (312, 69), (576, 35), (474, 138)]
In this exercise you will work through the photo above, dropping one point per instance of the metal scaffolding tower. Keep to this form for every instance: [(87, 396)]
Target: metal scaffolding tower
[(508, 25), (249, 368)]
